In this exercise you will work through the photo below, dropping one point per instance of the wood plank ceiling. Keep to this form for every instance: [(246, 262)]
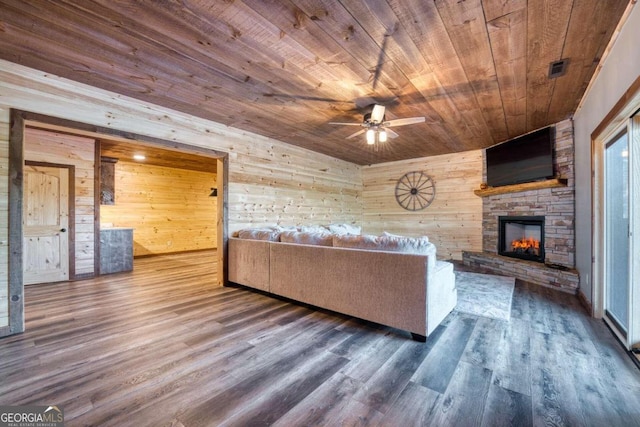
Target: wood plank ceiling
[(476, 69), (156, 156)]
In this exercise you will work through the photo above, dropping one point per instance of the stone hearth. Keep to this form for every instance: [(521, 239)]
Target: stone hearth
[(531, 271), (557, 205)]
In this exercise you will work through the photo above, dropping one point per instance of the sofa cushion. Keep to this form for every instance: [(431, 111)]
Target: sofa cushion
[(324, 238), (345, 229), (413, 245)]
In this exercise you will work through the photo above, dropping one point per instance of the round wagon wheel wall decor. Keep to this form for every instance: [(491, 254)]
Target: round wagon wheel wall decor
[(415, 191)]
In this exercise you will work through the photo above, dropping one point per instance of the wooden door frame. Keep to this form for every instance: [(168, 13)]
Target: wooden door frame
[(71, 209), (619, 116), (19, 120)]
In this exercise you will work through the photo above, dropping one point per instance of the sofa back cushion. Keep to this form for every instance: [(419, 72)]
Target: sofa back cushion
[(271, 234), (391, 243), (322, 238), (411, 245), (414, 245), (364, 241)]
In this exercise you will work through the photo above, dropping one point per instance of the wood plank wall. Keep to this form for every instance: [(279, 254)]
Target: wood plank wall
[(169, 209), (269, 181), (453, 221), (276, 185), (52, 147), (4, 216)]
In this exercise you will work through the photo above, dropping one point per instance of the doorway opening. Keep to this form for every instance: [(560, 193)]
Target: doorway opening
[(173, 151)]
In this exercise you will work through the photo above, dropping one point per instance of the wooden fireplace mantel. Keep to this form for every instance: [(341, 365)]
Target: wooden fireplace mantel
[(516, 188)]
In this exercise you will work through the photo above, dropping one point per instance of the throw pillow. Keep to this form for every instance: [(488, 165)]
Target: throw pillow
[(312, 229), (387, 234), (345, 229)]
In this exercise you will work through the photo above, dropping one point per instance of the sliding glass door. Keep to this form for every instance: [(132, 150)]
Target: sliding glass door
[(617, 236)]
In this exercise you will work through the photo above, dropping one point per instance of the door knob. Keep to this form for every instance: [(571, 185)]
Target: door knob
[(64, 230)]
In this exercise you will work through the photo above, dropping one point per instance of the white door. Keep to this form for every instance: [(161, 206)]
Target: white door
[(45, 224)]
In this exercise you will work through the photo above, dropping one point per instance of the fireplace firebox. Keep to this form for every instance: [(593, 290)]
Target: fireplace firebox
[(521, 237)]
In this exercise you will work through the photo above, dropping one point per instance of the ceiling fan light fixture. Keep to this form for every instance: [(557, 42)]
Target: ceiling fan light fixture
[(376, 128), (371, 136)]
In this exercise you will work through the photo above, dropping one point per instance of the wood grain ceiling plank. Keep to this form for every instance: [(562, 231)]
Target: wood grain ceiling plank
[(158, 157), (179, 91), (302, 29), (448, 89), (161, 58), (236, 53), (584, 47), (458, 133), (264, 36), (30, 33), (494, 9), (313, 113), (469, 35), (547, 23), (347, 32), (263, 126), (508, 36), (284, 68), (394, 44)]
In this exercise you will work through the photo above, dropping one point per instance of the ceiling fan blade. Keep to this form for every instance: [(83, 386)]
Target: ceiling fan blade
[(403, 122), (377, 115), (353, 135), (345, 124), (391, 134)]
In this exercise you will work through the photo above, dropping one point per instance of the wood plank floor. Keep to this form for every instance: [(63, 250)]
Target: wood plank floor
[(162, 346)]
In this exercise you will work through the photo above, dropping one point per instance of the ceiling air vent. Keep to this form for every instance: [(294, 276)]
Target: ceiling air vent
[(558, 68)]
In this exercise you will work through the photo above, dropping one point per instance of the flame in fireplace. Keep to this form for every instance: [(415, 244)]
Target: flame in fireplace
[(526, 244)]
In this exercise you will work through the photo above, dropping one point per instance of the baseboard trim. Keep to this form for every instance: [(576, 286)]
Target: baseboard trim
[(82, 276), (5, 331), (174, 253), (586, 304)]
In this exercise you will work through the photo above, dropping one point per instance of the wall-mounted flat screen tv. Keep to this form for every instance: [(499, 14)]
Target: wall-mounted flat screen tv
[(527, 158)]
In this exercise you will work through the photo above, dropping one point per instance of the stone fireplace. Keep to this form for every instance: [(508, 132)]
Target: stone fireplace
[(553, 265)]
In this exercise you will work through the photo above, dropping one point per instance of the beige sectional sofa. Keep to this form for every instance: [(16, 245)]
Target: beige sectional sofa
[(375, 278)]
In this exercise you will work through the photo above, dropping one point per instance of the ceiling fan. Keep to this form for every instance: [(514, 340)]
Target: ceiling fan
[(375, 126)]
